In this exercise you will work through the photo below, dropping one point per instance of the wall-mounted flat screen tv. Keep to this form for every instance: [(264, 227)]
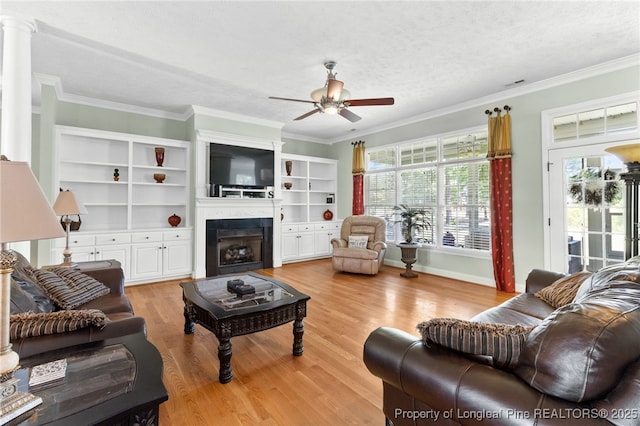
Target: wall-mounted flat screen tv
[(240, 166)]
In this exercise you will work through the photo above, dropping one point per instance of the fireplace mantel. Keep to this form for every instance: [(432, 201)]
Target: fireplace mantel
[(233, 208)]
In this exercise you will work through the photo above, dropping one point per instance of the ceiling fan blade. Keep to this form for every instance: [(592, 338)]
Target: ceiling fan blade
[(334, 89), (366, 102), (303, 116), (293, 100), (349, 115)]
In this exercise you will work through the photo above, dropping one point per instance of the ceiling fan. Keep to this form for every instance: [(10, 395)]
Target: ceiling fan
[(333, 98)]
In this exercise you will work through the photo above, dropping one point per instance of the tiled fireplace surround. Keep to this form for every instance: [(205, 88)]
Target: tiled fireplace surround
[(207, 208)]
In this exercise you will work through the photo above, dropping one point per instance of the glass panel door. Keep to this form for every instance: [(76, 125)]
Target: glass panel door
[(587, 209)]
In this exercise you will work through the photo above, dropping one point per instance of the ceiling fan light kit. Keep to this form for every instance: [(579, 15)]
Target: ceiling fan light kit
[(334, 99)]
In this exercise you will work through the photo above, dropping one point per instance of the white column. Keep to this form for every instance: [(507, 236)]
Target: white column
[(15, 140)]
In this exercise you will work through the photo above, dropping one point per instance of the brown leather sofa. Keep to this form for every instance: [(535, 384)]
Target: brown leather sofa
[(580, 364), (360, 260), (115, 305)]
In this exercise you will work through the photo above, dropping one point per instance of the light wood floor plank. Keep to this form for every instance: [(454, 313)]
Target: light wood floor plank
[(329, 383)]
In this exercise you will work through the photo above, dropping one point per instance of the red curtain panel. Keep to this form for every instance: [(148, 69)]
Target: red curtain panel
[(357, 170), (501, 201)]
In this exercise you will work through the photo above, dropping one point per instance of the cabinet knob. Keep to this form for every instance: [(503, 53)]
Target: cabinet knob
[(146, 238), (113, 239), (75, 241)]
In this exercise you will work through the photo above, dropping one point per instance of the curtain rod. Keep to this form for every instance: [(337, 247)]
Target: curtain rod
[(498, 110), (357, 143)]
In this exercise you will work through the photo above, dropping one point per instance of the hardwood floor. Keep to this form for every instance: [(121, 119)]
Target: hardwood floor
[(329, 383)]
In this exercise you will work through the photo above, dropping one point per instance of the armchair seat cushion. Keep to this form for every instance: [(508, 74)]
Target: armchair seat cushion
[(355, 253)]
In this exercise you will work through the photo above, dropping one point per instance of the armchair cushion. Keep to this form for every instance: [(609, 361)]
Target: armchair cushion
[(502, 342), (69, 288), (358, 241), (355, 253), (39, 324), (564, 290)]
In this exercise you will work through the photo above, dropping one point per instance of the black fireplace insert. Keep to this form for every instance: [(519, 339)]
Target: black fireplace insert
[(237, 245)]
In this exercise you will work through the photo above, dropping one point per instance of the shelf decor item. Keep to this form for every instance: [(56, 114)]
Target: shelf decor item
[(174, 220), (288, 185), (116, 175), (159, 177), (328, 214), (288, 165), (159, 156)]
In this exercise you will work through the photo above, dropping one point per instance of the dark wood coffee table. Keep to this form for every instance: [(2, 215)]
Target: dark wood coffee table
[(208, 303)]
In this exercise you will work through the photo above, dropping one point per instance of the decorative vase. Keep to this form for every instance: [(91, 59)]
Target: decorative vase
[(159, 177), (174, 220), (116, 175), (328, 215), (287, 166), (159, 156)]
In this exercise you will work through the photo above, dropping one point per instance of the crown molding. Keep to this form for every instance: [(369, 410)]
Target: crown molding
[(606, 67), (582, 74)]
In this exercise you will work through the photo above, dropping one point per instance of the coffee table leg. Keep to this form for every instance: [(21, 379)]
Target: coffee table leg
[(298, 331), (189, 326), (224, 355)]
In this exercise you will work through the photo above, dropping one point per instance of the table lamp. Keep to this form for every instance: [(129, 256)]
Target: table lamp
[(25, 215), (629, 154), (65, 206)]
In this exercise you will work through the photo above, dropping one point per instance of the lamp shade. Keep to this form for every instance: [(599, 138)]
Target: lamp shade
[(25, 212), (626, 153), (67, 204)]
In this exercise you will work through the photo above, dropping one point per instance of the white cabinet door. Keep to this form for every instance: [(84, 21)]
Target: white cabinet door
[(146, 260), (121, 253), (176, 257), (306, 245), (289, 246)]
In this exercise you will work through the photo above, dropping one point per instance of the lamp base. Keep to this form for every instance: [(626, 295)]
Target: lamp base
[(13, 402)]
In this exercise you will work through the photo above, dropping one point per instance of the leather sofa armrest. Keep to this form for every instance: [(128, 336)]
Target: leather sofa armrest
[(39, 344), (450, 382), (540, 278)]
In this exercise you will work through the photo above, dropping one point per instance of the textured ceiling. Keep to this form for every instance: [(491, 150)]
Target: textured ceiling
[(232, 55)]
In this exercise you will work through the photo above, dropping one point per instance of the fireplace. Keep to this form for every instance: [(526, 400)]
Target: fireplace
[(237, 245)]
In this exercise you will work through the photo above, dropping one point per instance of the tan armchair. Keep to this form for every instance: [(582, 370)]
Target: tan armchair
[(360, 260)]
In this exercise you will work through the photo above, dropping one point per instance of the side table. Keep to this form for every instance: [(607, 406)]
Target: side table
[(116, 381), (409, 257)]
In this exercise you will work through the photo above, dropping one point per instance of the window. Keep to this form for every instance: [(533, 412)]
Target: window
[(448, 176), (597, 122)]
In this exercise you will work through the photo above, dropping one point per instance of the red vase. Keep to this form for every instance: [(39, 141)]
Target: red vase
[(159, 156), (328, 215), (174, 220)]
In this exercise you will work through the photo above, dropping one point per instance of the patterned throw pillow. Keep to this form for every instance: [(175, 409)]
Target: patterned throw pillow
[(69, 288), (562, 292), (358, 241), (502, 342), (31, 324)]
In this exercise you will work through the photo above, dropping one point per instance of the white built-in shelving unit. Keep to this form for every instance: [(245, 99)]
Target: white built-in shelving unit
[(306, 232), (130, 208)]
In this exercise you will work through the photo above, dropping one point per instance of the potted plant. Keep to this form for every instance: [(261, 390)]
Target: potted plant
[(413, 219)]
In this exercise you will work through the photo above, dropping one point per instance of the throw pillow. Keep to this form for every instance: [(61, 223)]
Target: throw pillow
[(562, 292), (69, 288), (502, 342), (358, 241), (31, 324)]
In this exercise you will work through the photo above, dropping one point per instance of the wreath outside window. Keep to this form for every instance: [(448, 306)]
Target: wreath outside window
[(588, 188)]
